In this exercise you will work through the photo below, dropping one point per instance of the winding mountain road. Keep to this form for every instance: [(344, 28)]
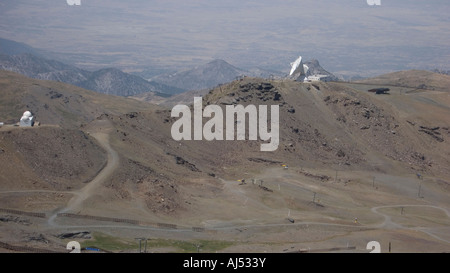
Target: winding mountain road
[(388, 223), (76, 202)]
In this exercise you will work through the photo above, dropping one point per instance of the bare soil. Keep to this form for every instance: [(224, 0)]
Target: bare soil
[(360, 167)]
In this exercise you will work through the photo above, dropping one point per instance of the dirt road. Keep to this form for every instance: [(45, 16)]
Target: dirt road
[(76, 202)]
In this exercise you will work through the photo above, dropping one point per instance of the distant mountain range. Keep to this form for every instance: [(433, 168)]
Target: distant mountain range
[(36, 63), (114, 81), (201, 77), (108, 81), (219, 72), (9, 47)]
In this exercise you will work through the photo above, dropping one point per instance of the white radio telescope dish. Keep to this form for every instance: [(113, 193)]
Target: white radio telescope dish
[(297, 66)]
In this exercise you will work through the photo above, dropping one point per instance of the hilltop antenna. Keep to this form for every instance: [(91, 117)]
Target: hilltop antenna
[(298, 68), (418, 193), (140, 239)]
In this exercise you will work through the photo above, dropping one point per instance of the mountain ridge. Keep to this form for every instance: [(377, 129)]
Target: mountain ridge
[(201, 77), (108, 80)]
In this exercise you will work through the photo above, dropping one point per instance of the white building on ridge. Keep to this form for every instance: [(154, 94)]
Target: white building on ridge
[(27, 119)]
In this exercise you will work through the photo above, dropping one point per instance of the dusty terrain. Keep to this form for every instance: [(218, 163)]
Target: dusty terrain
[(352, 167)]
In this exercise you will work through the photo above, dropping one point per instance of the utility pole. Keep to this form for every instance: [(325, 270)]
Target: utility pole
[(314, 197), (140, 246), (198, 247), (420, 185)]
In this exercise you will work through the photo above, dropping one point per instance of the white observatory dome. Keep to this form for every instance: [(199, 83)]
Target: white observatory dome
[(27, 114)]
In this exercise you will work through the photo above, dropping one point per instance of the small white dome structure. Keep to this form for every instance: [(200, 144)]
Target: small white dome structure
[(27, 119), (27, 114)]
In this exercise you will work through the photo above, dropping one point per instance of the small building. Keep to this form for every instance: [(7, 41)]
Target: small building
[(379, 90), (27, 119), (319, 78)]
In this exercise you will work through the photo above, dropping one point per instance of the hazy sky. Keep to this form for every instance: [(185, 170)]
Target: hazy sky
[(346, 36)]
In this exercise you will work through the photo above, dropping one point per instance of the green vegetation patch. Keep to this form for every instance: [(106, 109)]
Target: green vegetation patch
[(190, 246), (114, 244), (109, 243)]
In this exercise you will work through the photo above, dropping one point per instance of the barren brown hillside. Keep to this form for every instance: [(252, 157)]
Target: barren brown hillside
[(350, 154), (413, 78), (56, 103), (323, 125)]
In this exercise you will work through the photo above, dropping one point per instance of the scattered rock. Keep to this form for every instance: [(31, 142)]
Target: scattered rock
[(263, 160), (277, 96), (418, 156), (15, 219), (366, 113), (432, 131), (75, 235), (265, 188), (132, 115), (340, 153), (54, 95), (182, 161), (315, 176), (38, 238)]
